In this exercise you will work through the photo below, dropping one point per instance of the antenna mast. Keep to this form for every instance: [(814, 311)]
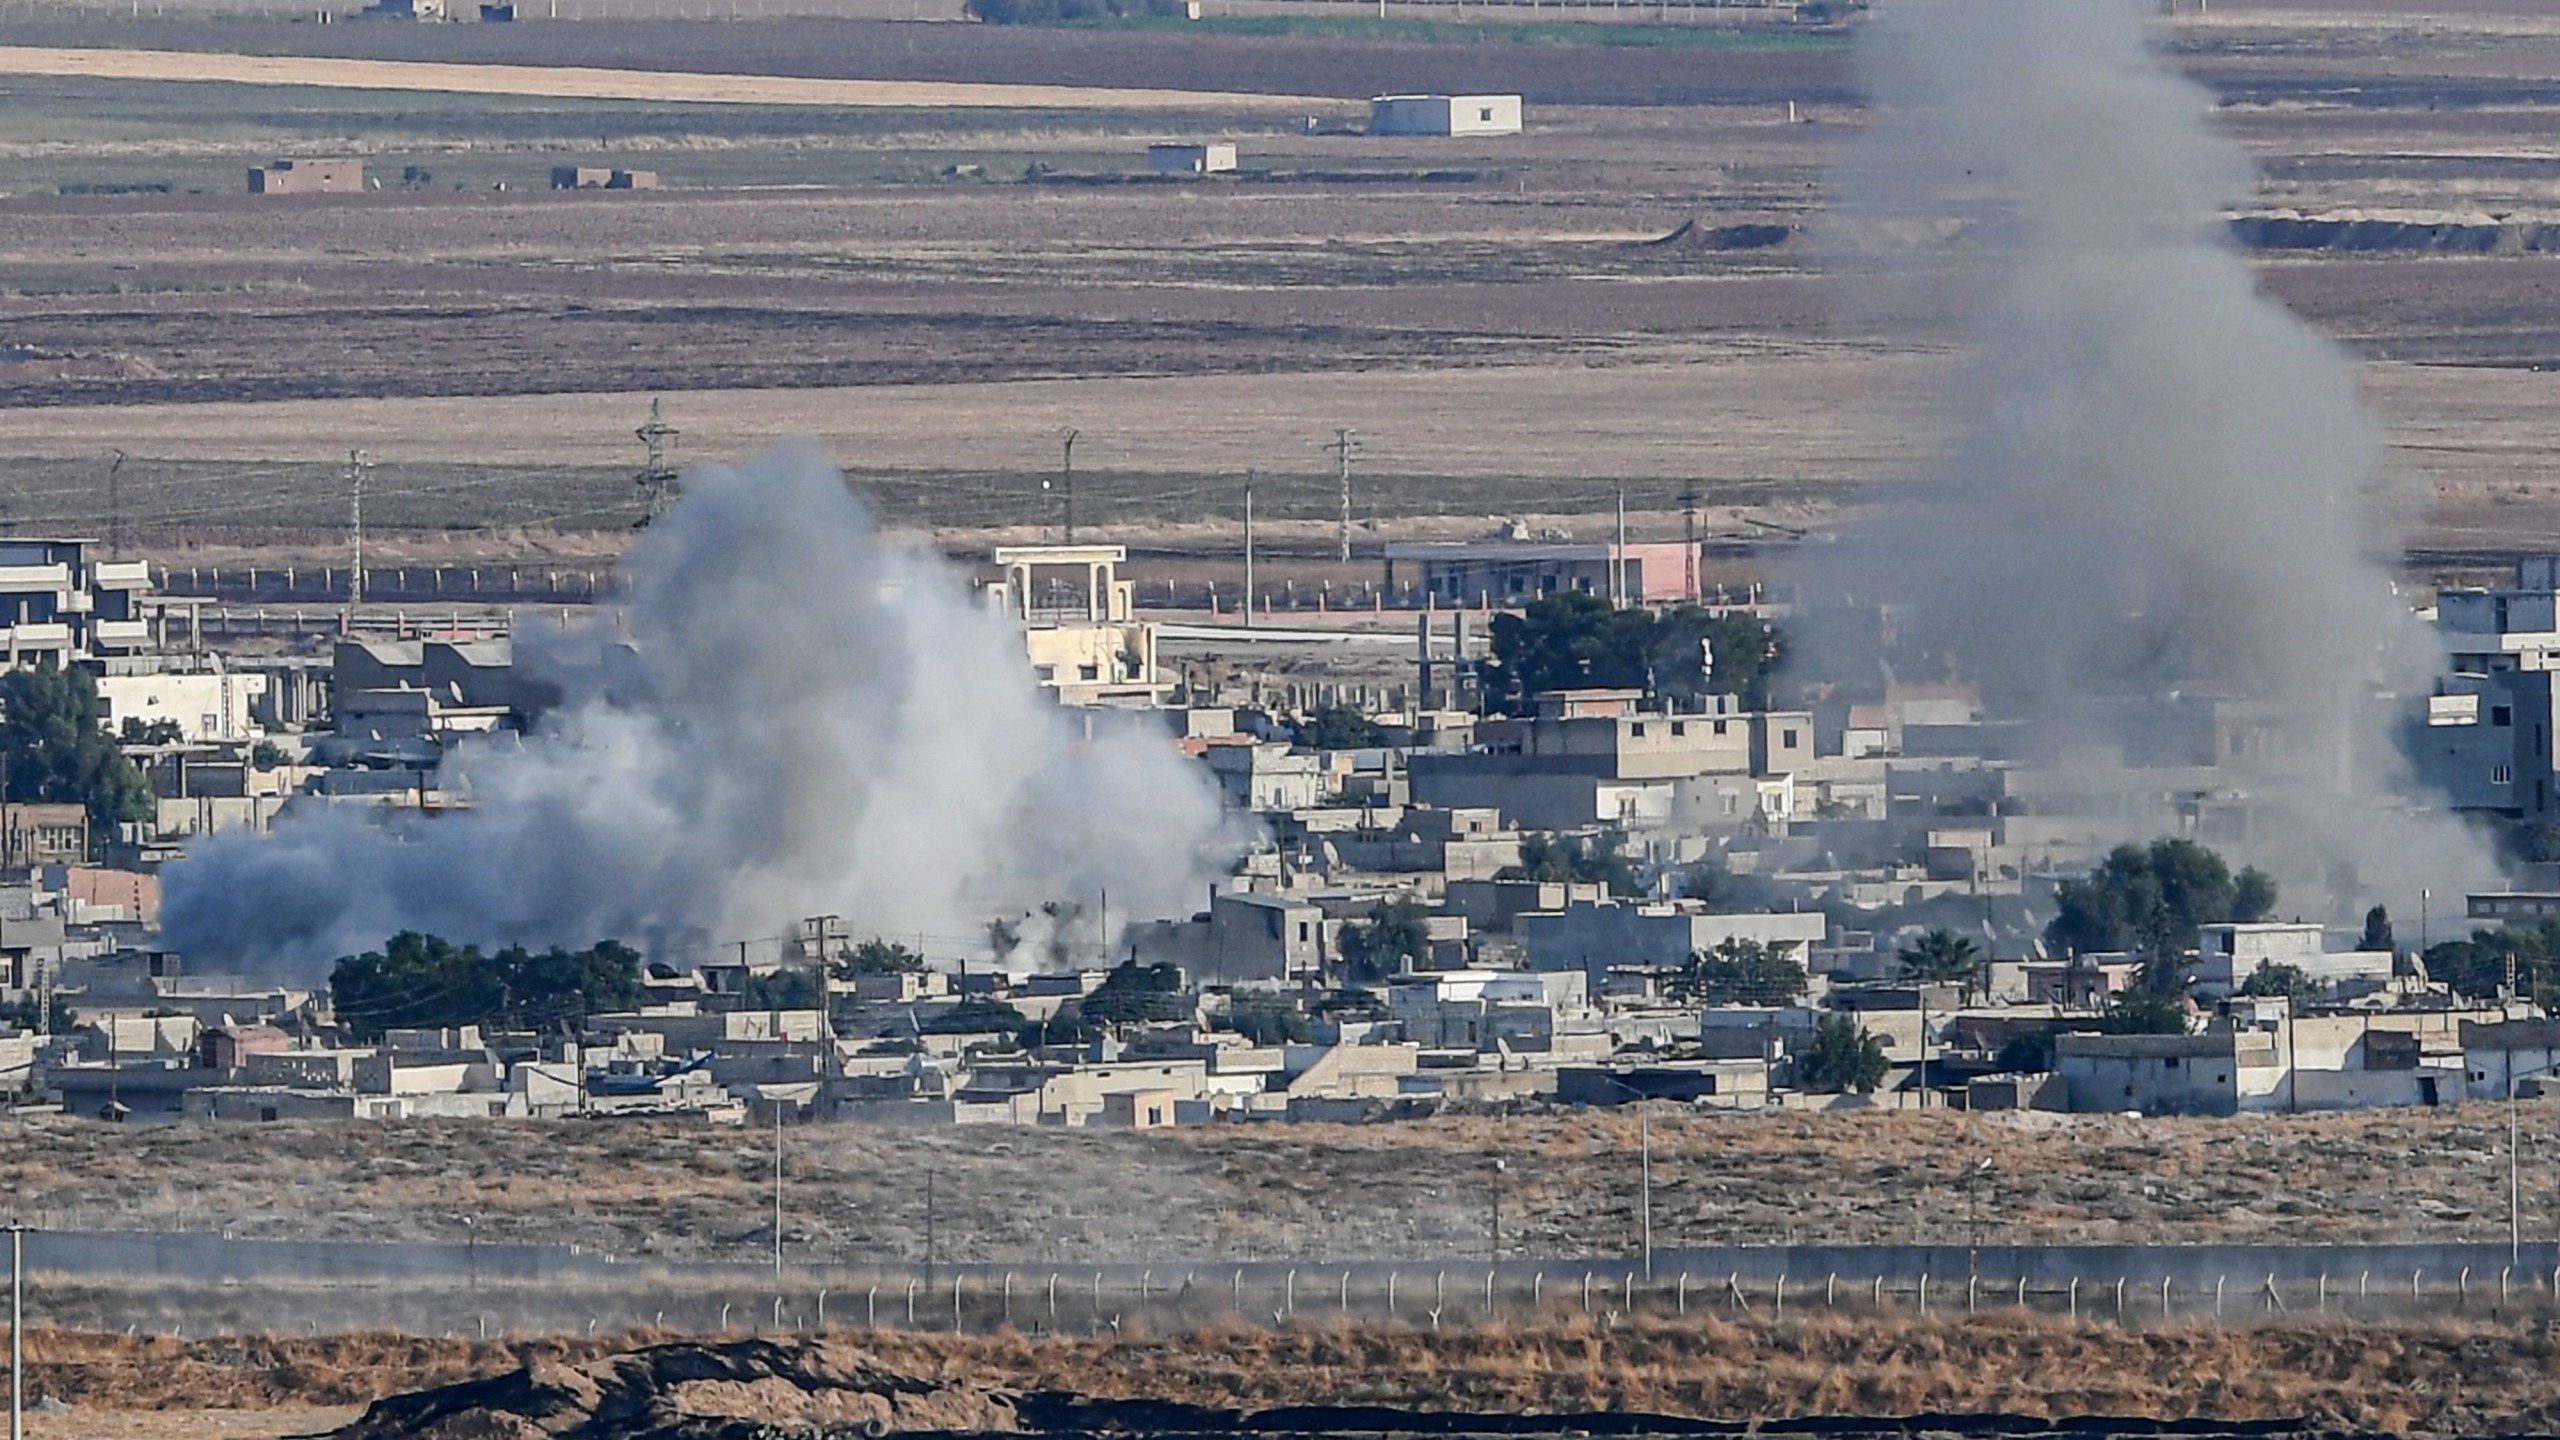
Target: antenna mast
[(1346, 443), (115, 504), (357, 464), (657, 481)]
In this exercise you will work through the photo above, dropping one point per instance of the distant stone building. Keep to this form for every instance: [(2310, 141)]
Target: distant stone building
[(1444, 115), (1176, 158), (601, 177), (307, 177)]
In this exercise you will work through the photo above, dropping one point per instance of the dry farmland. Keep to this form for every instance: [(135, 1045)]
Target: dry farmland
[(939, 292), (1413, 1191)]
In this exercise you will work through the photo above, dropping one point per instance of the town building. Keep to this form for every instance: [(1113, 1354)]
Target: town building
[(310, 177), (1181, 158), (1444, 115), (1512, 572), (1079, 626)]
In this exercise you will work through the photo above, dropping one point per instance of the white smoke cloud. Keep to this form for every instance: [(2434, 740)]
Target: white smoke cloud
[(807, 720), (2160, 494)]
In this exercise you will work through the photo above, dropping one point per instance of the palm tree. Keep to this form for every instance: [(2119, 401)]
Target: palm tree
[(1942, 956)]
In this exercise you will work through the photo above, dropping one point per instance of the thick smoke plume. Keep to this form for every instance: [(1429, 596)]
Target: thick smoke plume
[(786, 716), (2158, 507)]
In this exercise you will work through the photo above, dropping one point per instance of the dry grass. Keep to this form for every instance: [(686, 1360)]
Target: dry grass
[(2443, 1378), (1409, 1192)]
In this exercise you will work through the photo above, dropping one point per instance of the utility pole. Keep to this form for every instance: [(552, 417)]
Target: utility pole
[(657, 482), (1499, 1166), (1689, 540), (17, 1331), (1346, 443), (777, 1191), (928, 1224), (115, 504), (1067, 481), (1618, 557), (1248, 548), (356, 466)]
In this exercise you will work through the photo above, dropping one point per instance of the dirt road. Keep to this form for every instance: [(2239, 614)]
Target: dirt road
[(591, 83)]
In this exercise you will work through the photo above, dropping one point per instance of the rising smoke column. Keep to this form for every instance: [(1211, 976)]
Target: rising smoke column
[(2160, 486), (806, 720)]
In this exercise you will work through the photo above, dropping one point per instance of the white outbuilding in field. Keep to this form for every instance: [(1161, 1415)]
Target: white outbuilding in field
[(1444, 115), (1174, 157)]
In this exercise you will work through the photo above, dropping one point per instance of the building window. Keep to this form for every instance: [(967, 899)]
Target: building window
[(1787, 739), (1485, 115), (2502, 715), (1302, 931), (1719, 727), (2169, 1063), (2502, 775), (1679, 729), (1636, 730)]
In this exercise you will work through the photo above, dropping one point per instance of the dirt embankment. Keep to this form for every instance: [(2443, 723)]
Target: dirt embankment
[(2436, 1379), (2378, 235)]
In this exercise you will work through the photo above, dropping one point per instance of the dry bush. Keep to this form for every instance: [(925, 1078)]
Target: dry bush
[(2444, 1377)]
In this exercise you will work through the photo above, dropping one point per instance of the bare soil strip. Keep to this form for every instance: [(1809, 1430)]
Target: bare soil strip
[(592, 83)]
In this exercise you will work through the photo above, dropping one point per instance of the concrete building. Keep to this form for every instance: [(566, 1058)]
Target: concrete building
[(2227, 955), (1662, 935), (2221, 1072), (218, 706), (1444, 115), (1082, 636), (1266, 777), (1512, 572), (311, 177), (601, 177), (1591, 757), (1261, 939), (61, 605), (34, 834), (1181, 158)]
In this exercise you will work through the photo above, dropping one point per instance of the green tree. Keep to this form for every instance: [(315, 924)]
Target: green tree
[(138, 731), (2150, 900), (53, 749), (1577, 860), (792, 987), (2028, 1051), (876, 956), (266, 755), (1572, 640), (2478, 967), (1135, 994), (1268, 1020), (426, 982), (1396, 938), (2144, 1010), (2377, 931), (1738, 972), (415, 981), (977, 1015), (1337, 727), (2271, 979), (1942, 957), (559, 986), (54, 1019), (1841, 1057)]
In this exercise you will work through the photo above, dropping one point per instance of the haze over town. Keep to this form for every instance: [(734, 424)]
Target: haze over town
[(1134, 665)]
